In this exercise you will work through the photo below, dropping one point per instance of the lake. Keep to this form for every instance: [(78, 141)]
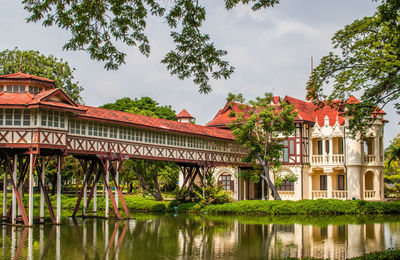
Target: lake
[(183, 236)]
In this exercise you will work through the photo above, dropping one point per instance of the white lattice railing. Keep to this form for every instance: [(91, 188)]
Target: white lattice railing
[(369, 158), (327, 159), (339, 194), (369, 194), (319, 194)]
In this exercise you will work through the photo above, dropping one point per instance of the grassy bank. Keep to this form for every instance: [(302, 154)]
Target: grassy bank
[(390, 254), (250, 207), (305, 207)]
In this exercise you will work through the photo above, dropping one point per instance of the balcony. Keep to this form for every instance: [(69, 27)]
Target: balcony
[(335, 194), (335, 159), (369, 159), (286, 194)]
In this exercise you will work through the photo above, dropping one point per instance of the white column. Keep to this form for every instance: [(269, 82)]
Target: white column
[(95, 196), (330, 150), (42, 192), (58, 218), (13, 241), (106, 237), (329, 185), (13, 199), (106, 192), (117, 183), (323, 151), (5, 194), (94, 233), (30, 206), (310, 186)]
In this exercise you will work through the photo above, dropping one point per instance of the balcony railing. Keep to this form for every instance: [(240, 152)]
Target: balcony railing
[(286, 194), (369, 159), (339, 194), (319, 194), (327, 159), (369, 194)]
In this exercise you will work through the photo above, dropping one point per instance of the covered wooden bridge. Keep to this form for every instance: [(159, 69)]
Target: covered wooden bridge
[(40, 125)]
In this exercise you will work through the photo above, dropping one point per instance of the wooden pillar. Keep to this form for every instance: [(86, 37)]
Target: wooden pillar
[(116, 183), (5, 191), (106, 193), (85, 196), (262, 189), (30, 244), (95, 195), (30, 206), (14, 198), (58, 249), (58, 217), (245, 190), (42, 192)]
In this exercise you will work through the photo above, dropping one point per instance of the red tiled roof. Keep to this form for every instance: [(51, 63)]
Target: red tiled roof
[(27, 99), (152, 122), (184, 114), (307, 111), (20, 75)]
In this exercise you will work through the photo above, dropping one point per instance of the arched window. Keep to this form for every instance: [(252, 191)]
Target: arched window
[(225, 180)]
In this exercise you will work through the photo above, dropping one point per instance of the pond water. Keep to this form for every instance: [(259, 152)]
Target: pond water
[(184, 236)]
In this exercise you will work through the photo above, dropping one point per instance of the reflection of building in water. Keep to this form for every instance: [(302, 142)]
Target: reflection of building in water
[(285, 240)]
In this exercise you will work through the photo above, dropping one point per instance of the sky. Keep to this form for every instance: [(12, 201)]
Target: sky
[(270, 50)]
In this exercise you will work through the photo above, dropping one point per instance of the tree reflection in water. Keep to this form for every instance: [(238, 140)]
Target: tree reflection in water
[(202, 236)]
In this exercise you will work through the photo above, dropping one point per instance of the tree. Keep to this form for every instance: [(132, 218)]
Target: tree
[(143, 106), (96, 26), (368, 62), (150, 174), (260, 126), (43, 66)]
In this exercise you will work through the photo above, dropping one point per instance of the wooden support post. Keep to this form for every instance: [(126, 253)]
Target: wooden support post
[(30, 244), (95, 195), (88, 172), (116, 183), (106, 178), (58, 241), (5, 192), (30, 206), (13, 199), (118, 192), (41, 177), (58, 217)]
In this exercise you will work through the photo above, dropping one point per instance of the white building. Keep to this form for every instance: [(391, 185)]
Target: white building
[(329, 163)]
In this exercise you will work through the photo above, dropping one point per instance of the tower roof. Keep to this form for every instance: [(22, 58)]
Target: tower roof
[(184, 114)]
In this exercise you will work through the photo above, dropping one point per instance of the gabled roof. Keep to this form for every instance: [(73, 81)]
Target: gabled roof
[(51, 98), (23, 76), (108, 115), (184, 114)]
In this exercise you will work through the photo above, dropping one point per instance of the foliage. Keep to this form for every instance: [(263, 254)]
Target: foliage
[(97, 26), (368, 62), (210, 194), (35, 63), (260, 127), (143, 106), (305, 207), (390, 254)]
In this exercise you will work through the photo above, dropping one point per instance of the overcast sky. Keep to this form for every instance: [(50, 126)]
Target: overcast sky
[(270, 50)]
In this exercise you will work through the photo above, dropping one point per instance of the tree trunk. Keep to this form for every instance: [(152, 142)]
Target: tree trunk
[(157, 188), (268, 179)]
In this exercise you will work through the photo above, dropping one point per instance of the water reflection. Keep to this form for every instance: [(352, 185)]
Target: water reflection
[(193, 237)]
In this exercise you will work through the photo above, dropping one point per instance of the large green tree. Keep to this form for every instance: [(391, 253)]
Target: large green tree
[(97, 25), (35, 63), (366, 62), (143, 106), (151, 175), (261, 126)]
